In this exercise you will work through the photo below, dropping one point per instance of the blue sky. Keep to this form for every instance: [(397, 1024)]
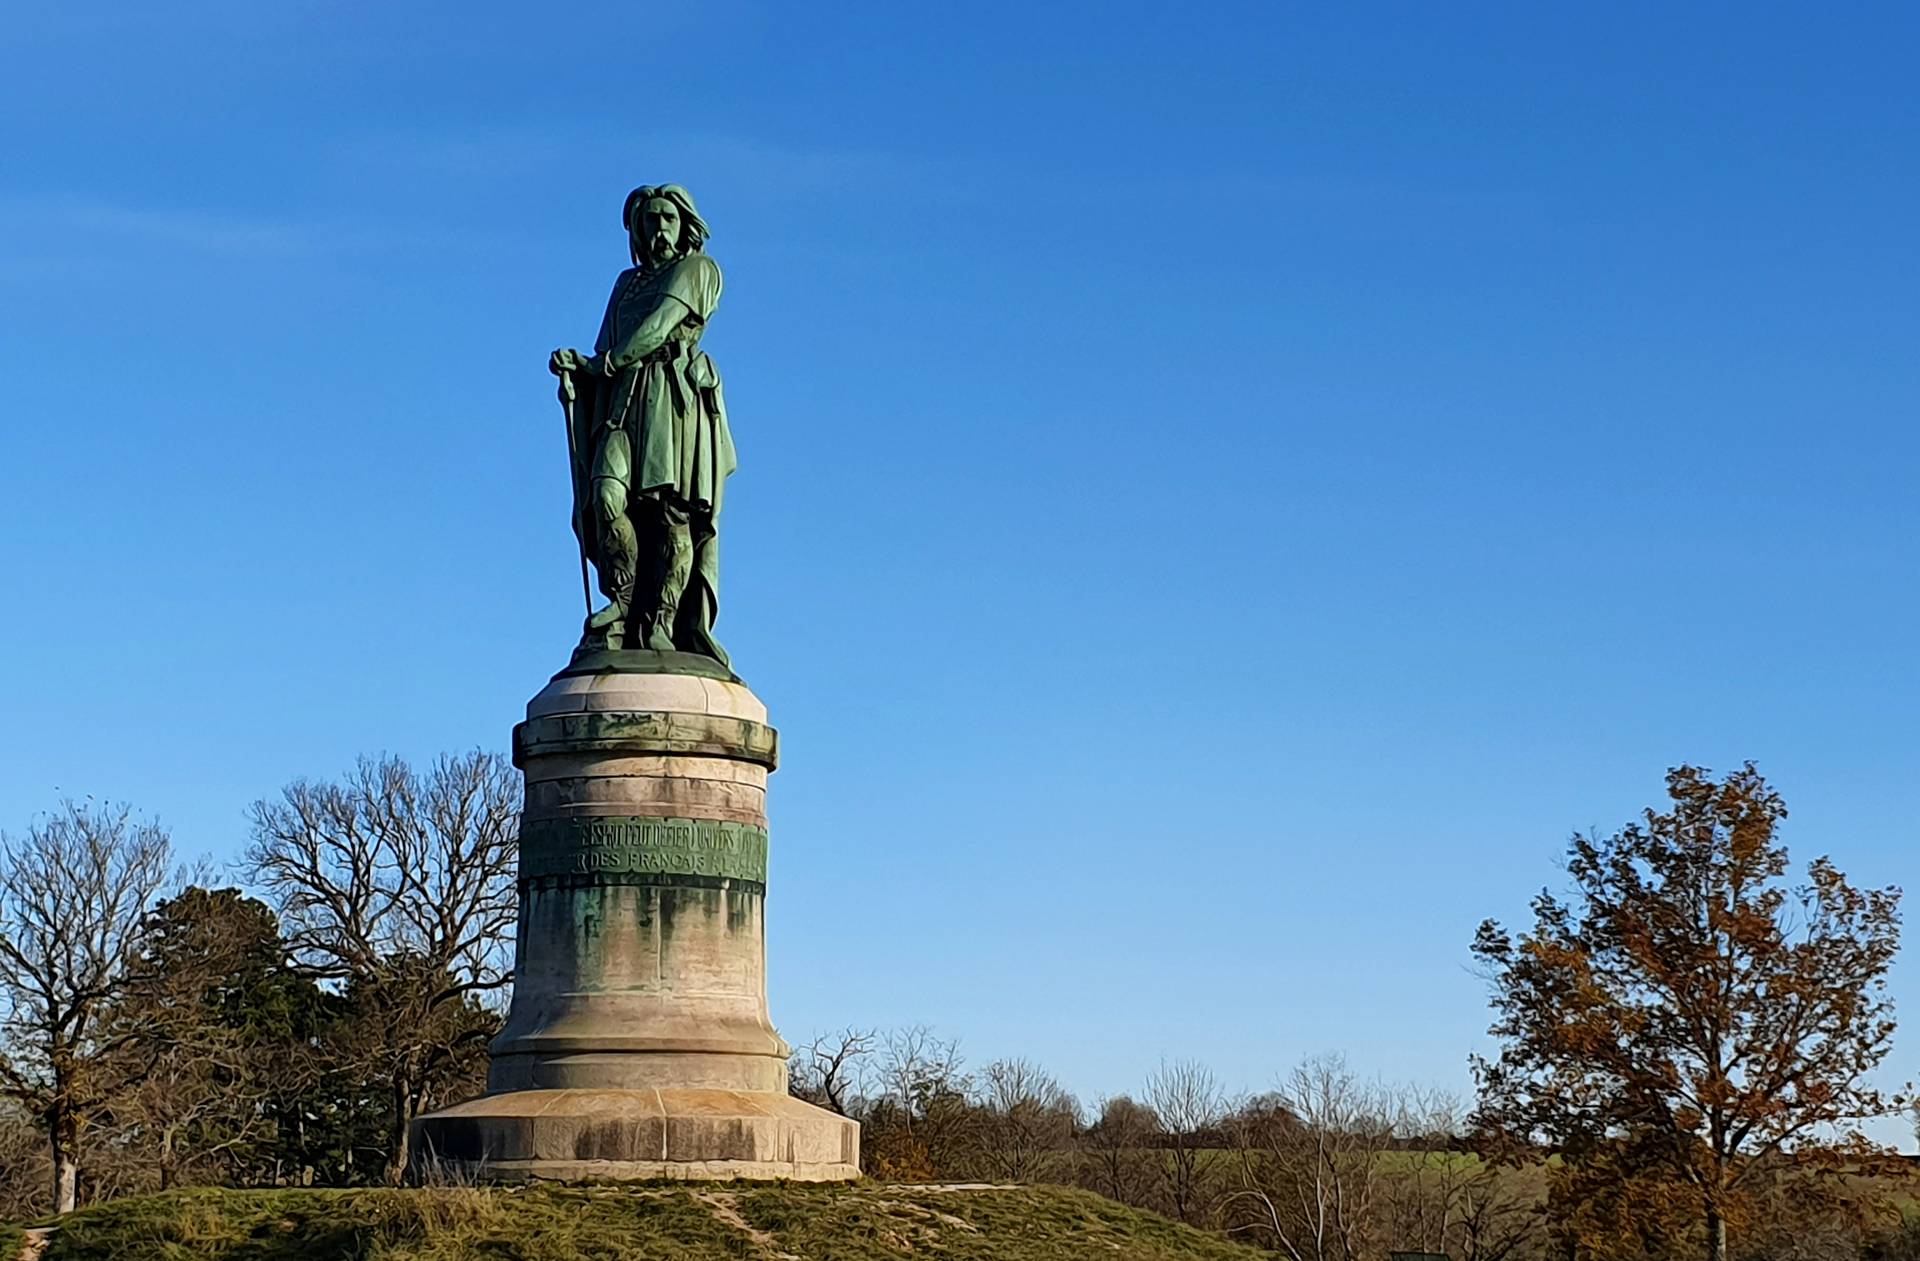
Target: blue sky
[(1226, 489)]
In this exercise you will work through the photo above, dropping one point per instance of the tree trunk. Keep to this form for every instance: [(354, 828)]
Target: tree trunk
[(1716, 1233), (63, 1135), (397, 1153)]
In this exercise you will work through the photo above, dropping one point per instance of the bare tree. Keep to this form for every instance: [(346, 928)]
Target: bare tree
[(1309, 1162), (195, 1103), (1188, 1104), (1420, 1195), (916, 1062), (1439, 1196), (73, 895), (828, 1070), (1027, 1121), (919, 1123), (24, 1164), (1495, 1215), (400, 887), (1116, 1159)]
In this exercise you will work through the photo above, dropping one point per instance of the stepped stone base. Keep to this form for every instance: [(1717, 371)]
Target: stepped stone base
[(574, 1135)]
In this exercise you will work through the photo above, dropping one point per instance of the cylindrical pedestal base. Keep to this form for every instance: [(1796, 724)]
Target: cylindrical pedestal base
[(571, 1135), (638, 1044)]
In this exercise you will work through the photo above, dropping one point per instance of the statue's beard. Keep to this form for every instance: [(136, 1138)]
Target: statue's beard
[(661, 251)]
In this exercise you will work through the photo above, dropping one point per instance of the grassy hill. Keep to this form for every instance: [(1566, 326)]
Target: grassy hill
[(682, 1222)]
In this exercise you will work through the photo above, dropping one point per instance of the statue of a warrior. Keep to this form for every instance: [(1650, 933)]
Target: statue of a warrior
[(647, 429)]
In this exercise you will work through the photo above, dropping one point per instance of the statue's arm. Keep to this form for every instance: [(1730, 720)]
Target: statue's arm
[(650, 336)]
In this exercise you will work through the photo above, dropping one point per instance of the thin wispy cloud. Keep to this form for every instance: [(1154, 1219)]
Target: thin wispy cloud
[(57, 221), (47, 229)]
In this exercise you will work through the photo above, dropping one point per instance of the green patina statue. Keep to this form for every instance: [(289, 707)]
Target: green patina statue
[(648, 439)]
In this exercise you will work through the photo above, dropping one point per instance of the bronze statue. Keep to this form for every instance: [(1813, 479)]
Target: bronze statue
[(648, 438)]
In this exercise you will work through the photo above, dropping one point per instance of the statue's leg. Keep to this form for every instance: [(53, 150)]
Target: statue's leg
[(616, 551), (700, 603), (676, 565), (619, 558)]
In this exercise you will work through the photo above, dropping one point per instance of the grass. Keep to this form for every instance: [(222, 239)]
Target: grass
[(681, 1222)]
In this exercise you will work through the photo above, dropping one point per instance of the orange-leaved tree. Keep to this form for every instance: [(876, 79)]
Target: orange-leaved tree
[(1689, 1002)]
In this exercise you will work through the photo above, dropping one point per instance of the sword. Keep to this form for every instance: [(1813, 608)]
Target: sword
[(573, 473)]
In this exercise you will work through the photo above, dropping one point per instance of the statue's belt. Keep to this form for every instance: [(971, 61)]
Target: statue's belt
[(663, 354)]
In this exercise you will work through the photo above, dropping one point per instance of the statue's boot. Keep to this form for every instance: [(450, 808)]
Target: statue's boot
[(676, 569), (608, 627), (618, 562)]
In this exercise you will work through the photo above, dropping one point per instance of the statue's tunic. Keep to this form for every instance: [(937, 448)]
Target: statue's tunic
[(669, 405)]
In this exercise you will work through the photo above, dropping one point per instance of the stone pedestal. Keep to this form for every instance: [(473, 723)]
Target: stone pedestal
[(639, 1044)]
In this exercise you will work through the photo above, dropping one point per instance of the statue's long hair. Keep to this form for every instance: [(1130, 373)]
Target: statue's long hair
[(693, 229)]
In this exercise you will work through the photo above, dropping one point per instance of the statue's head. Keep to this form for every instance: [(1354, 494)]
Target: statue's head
[(662, 224)]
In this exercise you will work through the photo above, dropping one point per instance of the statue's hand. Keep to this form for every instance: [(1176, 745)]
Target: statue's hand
[(564, 360)]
